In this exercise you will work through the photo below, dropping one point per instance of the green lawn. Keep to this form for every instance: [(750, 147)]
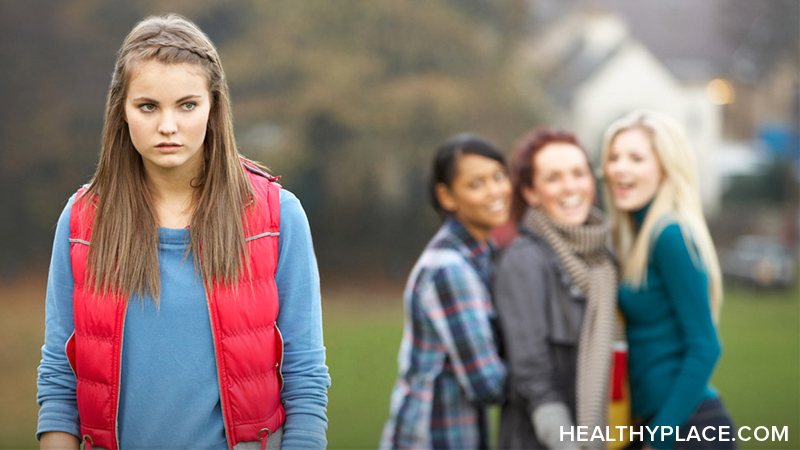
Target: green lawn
[(362, 340), (758, 376)]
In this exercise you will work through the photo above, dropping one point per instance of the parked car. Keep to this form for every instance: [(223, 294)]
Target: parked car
[(760, 261)]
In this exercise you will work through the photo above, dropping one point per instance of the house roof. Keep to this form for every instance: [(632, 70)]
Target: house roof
[(577, 67), (573, 50), (702, 39)]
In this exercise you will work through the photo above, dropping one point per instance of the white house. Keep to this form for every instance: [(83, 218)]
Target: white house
[(588, 71)]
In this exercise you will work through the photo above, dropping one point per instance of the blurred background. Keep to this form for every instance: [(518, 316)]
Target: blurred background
[(347, 100)]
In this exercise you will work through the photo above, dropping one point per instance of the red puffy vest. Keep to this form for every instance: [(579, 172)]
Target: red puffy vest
[(248, 345)]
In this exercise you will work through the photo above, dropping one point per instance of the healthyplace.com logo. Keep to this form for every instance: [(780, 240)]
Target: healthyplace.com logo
[(651, 434)]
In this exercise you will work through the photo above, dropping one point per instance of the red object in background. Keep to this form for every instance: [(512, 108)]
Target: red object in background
[(619, 370), (504, 234)]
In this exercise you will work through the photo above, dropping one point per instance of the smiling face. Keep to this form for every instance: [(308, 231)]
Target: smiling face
[(167, 108), (563, 185), (632, 170), (479, 196)]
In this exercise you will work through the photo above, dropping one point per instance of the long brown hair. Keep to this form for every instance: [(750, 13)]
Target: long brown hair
[(123, 253), (523, 169)]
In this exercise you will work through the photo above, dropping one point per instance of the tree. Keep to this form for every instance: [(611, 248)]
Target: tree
[(346, 100)]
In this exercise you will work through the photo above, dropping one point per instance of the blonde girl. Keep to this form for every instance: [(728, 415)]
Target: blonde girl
[(671, 288)]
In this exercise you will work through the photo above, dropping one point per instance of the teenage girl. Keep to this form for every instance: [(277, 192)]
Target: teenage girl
[(671, 288), (555, 291), (183, 302), (449, 368)]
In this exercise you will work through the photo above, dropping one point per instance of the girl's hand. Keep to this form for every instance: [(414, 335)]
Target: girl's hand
[(59, 440)]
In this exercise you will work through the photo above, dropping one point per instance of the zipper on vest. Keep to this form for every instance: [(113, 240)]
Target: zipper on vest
[(279, 364), (216, 361), (119, 371)]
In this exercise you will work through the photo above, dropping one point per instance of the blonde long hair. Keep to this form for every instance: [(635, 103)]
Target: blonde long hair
[(677, 200), (123, 253)]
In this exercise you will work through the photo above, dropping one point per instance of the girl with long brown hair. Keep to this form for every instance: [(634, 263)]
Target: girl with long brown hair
[(183, 303)]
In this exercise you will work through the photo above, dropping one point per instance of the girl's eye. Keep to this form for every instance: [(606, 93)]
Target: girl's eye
[(612, 157), (476, 184), (188, 106), (500, 176), (147, 107)]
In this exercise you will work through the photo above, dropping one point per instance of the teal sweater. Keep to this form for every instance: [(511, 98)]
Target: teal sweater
[(672, 339)]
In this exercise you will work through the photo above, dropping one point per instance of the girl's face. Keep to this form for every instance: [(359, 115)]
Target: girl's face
[(633, 171), (479, 196), (167, 108), (563, 185)]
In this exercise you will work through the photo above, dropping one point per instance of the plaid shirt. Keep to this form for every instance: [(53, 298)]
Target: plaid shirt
[(449, 367)]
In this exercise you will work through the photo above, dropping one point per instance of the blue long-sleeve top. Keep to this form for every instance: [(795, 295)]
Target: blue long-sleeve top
[(169, 394), (672, 339)]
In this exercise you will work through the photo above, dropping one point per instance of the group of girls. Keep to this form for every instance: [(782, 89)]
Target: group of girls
[(183, 300), (536, 326)]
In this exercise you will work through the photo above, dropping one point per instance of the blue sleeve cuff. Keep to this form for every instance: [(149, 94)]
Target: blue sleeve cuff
[(58, 416), (301, 432)]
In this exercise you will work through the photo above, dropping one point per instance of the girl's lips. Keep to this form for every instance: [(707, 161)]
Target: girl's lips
[(622, 191), (571, 201), (497, 206), (168, 148)]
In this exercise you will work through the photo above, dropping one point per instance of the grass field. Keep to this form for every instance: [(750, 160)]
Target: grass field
[(758, 376), (759, 373)]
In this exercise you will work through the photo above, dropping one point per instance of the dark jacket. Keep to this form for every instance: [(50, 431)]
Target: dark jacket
[(540, 313)]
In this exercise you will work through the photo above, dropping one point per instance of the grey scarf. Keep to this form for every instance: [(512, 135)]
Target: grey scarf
[(582, 251)]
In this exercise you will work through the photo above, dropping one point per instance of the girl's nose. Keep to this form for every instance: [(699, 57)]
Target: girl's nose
[(167, 127), (569, 184), (615, 167), (496, 187)]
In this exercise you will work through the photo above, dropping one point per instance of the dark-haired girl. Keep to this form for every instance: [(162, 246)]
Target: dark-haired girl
[(449, 367), (183, 302)]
